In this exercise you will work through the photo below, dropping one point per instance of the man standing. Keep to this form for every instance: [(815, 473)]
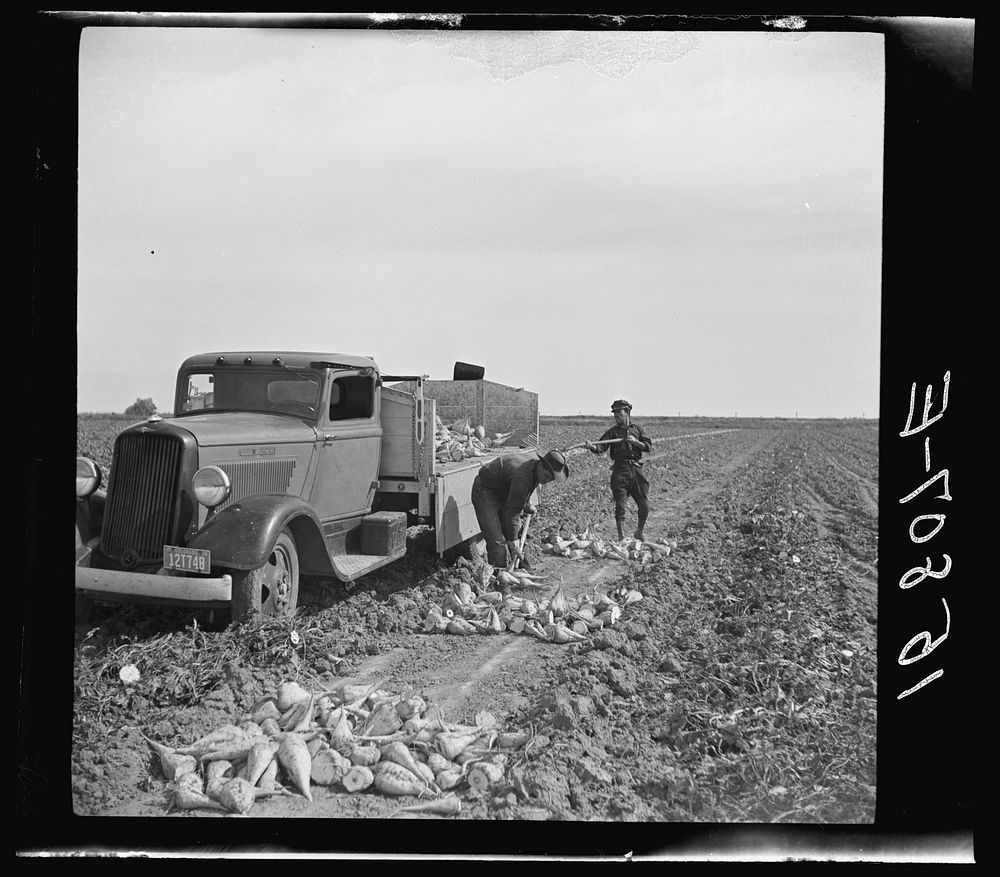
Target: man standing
[(502, 492), (627, 477)]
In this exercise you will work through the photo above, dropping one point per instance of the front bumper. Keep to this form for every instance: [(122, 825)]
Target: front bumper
[(124, 586)]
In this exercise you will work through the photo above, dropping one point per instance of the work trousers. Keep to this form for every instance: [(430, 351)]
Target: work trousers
[(488, 505), (630, 481)]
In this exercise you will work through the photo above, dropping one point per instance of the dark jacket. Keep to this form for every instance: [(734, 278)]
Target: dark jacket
[(514, 477), (625, 454)]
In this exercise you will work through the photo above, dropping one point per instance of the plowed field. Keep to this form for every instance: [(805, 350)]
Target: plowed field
[(741, 688)]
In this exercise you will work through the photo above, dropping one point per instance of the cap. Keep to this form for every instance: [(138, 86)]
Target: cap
[(556, 462), (621, 403)]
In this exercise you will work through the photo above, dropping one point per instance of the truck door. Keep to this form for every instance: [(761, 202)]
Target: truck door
[(348, 448)]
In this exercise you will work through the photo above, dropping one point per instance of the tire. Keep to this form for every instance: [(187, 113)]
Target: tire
[(272, 589)]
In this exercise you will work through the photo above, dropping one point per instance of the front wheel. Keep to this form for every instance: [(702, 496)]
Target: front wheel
[(271, 589)]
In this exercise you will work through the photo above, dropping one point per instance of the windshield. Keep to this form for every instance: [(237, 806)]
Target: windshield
[(280, 391)]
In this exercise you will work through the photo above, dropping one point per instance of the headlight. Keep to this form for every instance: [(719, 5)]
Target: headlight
[(211, 486), (88, 477)]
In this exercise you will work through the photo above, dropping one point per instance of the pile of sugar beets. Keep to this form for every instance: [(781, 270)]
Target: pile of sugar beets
[(482, 601), (460, 440), (349, 737), (584, 545)]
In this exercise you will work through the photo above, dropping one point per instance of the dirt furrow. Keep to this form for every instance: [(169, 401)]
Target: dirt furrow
[(867, 489)]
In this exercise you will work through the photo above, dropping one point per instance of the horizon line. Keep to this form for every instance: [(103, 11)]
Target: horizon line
[(605, 416)]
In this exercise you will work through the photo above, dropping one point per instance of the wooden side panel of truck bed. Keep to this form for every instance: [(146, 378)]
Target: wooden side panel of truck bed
[(454, 517)]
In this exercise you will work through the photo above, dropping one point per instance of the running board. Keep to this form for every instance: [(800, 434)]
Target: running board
[(349, 567)]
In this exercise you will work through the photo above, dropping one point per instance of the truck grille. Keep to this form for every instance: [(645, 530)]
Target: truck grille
[(142, 496), (250, 477)]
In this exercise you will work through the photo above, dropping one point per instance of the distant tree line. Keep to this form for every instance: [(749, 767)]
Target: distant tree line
[(141, 408), (138, 409)]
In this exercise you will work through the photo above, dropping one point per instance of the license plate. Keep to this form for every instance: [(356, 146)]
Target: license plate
[(187, 559)]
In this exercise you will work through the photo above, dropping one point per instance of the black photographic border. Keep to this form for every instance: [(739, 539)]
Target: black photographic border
[(927, 740)]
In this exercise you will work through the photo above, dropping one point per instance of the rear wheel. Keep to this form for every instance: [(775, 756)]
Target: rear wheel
[(272, 589)]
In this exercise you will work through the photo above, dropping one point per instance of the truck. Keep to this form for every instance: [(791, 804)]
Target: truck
[(276, 465)]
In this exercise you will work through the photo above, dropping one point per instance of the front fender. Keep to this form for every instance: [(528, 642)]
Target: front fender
[(242, 535)]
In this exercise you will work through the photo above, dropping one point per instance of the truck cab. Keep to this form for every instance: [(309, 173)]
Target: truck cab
[(273, 465)]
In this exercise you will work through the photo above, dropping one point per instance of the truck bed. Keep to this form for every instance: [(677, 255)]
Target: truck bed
[(409, 465)]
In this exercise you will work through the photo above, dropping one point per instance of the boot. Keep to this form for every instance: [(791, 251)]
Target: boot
[(620, 524), (639, 532)]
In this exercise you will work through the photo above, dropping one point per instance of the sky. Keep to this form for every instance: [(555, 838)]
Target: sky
[(690, 221)]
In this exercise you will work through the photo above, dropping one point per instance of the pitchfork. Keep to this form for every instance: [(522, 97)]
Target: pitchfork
[(584, 444), (520, 542)]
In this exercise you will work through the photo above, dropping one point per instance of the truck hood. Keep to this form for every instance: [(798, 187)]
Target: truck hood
[(235, 428)]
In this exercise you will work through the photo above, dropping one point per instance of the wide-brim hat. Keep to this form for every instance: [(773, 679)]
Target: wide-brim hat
[(557, 463)]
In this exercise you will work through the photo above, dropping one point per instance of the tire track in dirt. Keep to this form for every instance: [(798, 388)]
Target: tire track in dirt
[(688, 435), (858, 591), (459, 674), (867, 490), (449, 675), (825, 512), (694, 497), (676, 438)]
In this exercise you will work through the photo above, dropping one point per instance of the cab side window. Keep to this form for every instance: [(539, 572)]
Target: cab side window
[(352, 398)]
